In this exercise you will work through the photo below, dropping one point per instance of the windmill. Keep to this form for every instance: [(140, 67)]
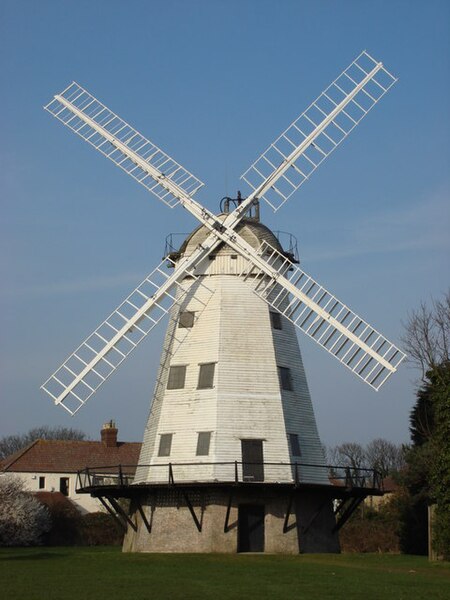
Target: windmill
[(231, 451)]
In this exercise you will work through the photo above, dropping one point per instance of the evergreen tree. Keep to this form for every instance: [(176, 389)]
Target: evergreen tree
[(440, 471)]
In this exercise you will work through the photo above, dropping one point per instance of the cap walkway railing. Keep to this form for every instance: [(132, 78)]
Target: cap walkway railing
[(236, 472)]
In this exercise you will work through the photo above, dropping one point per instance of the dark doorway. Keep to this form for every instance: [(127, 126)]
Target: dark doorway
[(64, 485), (251, 528), (252, 460)]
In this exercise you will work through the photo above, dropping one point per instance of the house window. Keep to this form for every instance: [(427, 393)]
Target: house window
[(186, 320), (165, 444), (275, 319), (64, 485), (41, 483), (177, 376), (206, 376), (285, 378), (203, 441), (295, 445)]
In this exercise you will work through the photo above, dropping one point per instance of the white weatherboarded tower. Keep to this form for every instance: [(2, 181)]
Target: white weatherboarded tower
[(231, 458), (231, 371)]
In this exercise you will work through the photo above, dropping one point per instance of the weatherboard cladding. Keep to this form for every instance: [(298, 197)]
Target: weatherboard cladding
[(179, 411), (224, 260), (233, 330), (252, 231)]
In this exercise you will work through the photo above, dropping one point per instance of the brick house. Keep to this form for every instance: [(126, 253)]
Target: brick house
[(52, 465)]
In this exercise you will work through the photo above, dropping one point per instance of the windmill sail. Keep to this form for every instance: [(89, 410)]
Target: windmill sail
[(275, 176), (292, 158), (324, 318), (127, 148), (74, 382)]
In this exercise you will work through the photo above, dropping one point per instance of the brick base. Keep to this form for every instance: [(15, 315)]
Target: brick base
[(173, 528)]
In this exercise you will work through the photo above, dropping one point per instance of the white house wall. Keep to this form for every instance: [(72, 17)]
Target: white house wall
[(83, 502)]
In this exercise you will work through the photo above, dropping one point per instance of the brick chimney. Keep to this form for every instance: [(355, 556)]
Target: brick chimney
[(109, 434)]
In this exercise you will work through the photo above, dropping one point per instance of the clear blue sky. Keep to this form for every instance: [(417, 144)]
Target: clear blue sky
[(214, 82)]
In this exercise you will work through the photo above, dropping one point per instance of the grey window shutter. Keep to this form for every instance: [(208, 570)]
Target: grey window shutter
[(203, 441), (295, 446), (285, 378), (177, 376), (206, 376), (275, 319), (186, 319), (165, 444)]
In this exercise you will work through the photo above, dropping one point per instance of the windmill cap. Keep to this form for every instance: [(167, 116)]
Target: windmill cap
[(253, 232)]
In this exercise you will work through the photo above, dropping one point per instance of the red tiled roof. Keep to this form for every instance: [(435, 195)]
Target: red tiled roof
[(70, 456)]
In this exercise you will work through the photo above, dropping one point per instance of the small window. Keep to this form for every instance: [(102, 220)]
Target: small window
[(186, 319), (177, 377), (234, 256), (41, 483), (285, 378), (64, 485), (275, 319), (165, 444), (206, 376), (295, 445), (203, 441)]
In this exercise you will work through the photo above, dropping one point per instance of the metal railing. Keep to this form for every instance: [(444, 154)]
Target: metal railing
[(235, 472)]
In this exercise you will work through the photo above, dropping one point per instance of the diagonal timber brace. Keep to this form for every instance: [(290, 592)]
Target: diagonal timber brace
[(117, 512), (286, 526), (198, 523), (348, 508), (146, 522), (314, 516), (226, 526)]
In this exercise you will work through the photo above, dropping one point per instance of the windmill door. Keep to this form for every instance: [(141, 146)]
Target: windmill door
[(250, 528), (252, 460)]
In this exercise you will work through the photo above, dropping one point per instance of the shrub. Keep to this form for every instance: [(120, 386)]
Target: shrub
[(372, 530), (99, 529), (23, 519)]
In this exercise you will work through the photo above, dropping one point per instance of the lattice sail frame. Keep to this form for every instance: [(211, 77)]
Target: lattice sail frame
[(83, 372), (108, 346), (343, 104), (324, 318), (112, 133)]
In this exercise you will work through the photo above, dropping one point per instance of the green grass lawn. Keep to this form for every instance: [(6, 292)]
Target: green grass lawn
[(106, 573)]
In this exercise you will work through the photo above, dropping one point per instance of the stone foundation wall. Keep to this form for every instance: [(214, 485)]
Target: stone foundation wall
[(173, 528)]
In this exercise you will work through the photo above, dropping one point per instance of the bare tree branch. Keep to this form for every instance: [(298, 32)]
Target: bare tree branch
[(426, 335), (13, 443)]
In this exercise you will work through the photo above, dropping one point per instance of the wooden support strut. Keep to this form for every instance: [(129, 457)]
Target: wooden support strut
[(226, 526), (146, 522), (198, 523), (286, 527), (116, 517), (116, 506), (352, 506), (306, 527)]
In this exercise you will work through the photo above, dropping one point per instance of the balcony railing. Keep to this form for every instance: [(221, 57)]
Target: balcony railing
[(235, 472)]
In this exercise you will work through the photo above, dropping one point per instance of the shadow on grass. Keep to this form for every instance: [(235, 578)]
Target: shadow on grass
[(34, 556)]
